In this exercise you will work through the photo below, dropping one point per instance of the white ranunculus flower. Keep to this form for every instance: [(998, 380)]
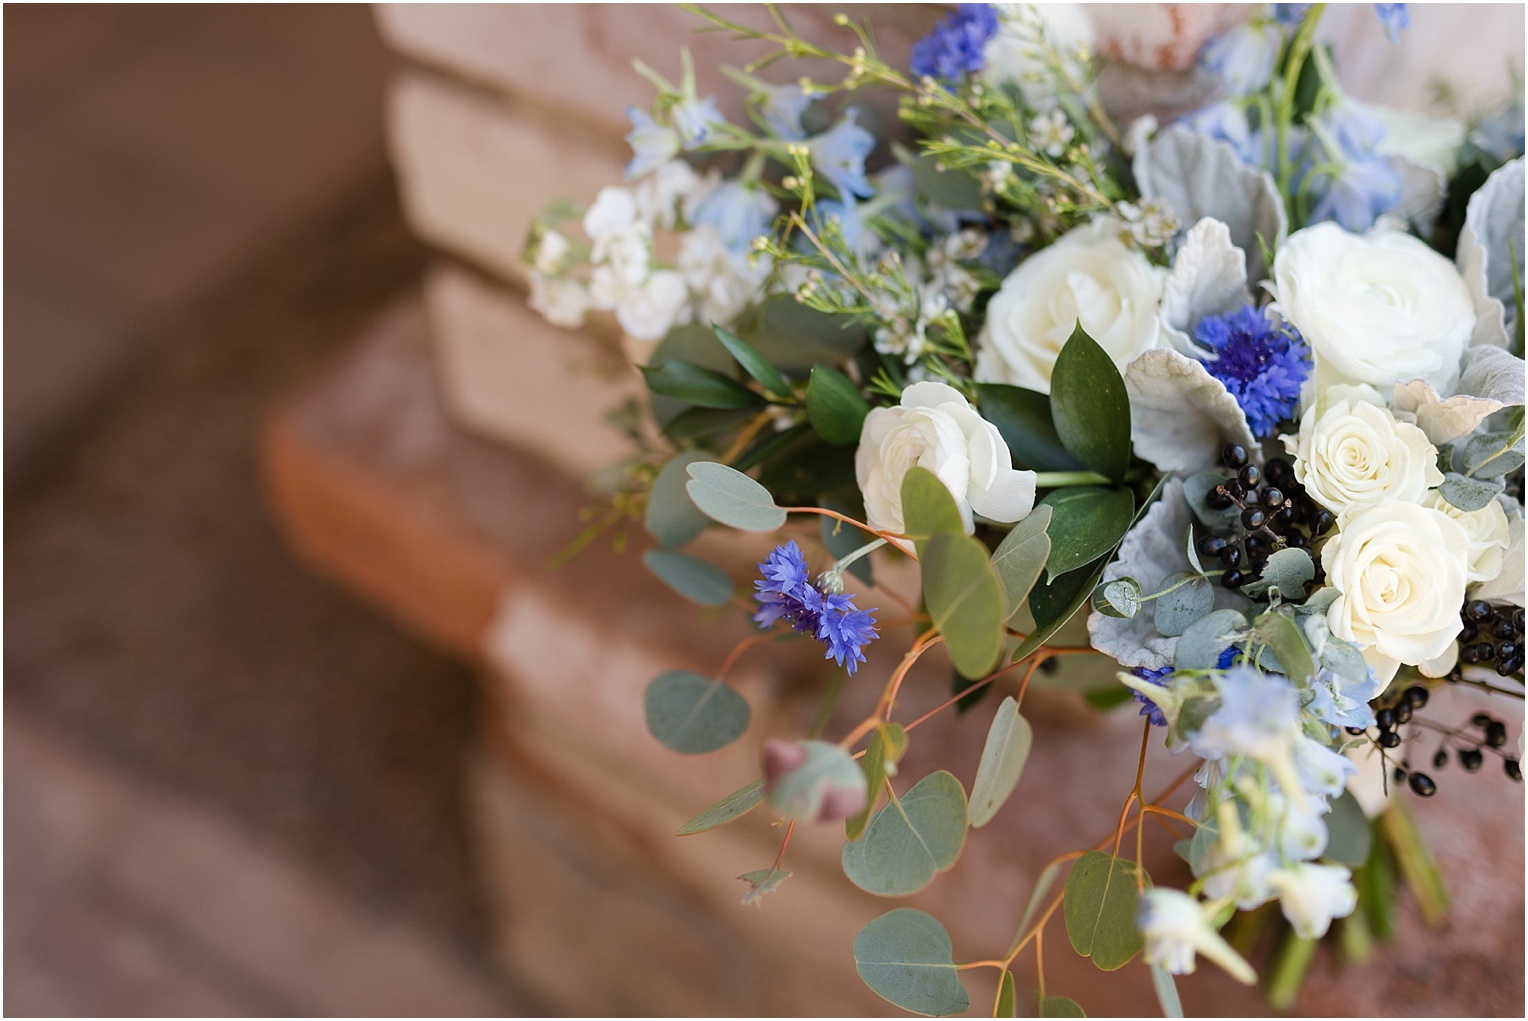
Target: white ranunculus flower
[(1090, 276), (1401, 569), (650, 311), (1352, 453), (1312, 895), (936, 428), (1380, 308), (1488, 533)]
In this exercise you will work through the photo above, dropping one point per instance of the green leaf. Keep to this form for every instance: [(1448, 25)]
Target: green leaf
[(1043, 884), (698, 346), (1492, 455), (691, 425), (905, 957), (1173, 612), (794, 337), (1287, 570), (672, 517), (691, 577), (1100, 906), (887, 746), (965, 602), (734, 805), (1005, 997), (1469, 494), (1167, 991), (928, 509), (726, 495), (1104, 699), (910, 840), (1201, 645), (835, 406), (1053, 603), (1086, 522), (763, 881), (753, 363), (1348, 831), (1118, 598), (1060, 1006), (692, 384), (693, 715), (950, 188), (1002, 762), (1283, 637), (1090, 407), (1021, 556), (1023, 417)]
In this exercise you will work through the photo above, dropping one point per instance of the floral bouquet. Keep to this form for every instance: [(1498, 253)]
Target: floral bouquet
[(1239, 381)]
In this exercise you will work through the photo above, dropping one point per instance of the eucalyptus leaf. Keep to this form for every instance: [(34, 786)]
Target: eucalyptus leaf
[(763, 881), (734, 805), (1002, 763), (1005, 997), (1090, 407), (1189, 599), (1283, 636), (910, 840), (1196, 488), (1492, 455), (1100, 906), (1199, 647), (691, 714), (1043, 884), (1469, 494), (965, 601), (753, 363), (1118, 598), (672, 517), (732, 498), (887, 746), (704, 388), (1060, 1006), (928, 509), (835, 406), (691, 577), (1288, 570), (1349, 837), (1021, 556), (1023, 418), (1086, 522), (905, 957)]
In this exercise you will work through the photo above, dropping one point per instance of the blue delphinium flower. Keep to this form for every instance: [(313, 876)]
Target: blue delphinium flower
[(1243, 57), (1394, 17), (956, 46), (1227, 122), (1262, 364), (652, 144), (786, 593), (782, 107), (1148, 707), (693, 119), (1357, 193), (839, 155), (1289, 14), (739, 212)]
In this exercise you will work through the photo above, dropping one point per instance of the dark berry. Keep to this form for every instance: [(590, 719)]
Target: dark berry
[(1217, 498), (1511, 666), (1422, 785), (1388, 739), (1415, 696), (1210, 545), (1297, 541), (1484, 651), (1471, 759), (1482, 719), (1249, 477), (1235, 489), (1514, 770), (1496, 734), (1505, 650), (1503, 628), (1322, 521), (1272, 498), (1440, 758), (1355, 731), (1403, 712), (1384, 719), (1479, 611), (1253, 517), (1231, 556), (1233, 455), (1277, 470), (1517, 619), (1233, 579), (1468, 633)]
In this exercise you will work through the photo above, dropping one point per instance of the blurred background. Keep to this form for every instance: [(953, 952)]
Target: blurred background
[(295, 720)]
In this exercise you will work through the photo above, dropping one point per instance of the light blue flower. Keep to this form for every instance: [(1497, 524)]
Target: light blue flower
[(1394, 17), (739, 212), (782, 107), (851, 224), (839, 155), (1258, 715), (652, 144), (1320, 769), (1226, 122), (1357, 194), (1243, 57), (694, 119)]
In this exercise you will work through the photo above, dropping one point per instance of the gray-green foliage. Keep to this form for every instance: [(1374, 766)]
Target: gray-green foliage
[(692, 714), (1002, 763), (911, 840), (691, 577), (1100, 904), (906, 958), (727, 495)]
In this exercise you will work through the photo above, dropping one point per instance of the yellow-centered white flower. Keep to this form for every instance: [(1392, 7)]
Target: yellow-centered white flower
[(936, 428), (1352, 453)]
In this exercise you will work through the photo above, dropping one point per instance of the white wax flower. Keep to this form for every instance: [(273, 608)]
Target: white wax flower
[(650, 311), (1312, 895), (935, 428), (1380, 308), (1352, 453), (560, 300), (1177, 927), (1401, 570), (1088, 275), (1488, 533)]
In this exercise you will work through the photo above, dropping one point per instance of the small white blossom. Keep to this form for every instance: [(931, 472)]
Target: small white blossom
[(614, 209), (1051, 132), (562, 301), (1177, 927), (551, 251), (650, 311), (1312, 895)]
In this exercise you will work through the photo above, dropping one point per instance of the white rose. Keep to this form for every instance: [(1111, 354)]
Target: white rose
[(1379, 308), (1352, 453), (1488, 534), (1401, 570), (650, 311), (1088, 275), (936, 428)]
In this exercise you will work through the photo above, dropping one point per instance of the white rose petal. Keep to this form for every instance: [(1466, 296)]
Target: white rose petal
[(1088, 275), (1352, 453), (1507, 586), (936, 428), (1401, 570), (1488, 534), (1377, 308)]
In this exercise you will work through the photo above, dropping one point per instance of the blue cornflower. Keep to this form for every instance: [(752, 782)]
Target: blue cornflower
[(786, 593), (1263, 365), (1148, 707), (652, 144), (693, 119), (956, 46), (1394, 17), (839, 155), (781, 109), (739, 212)]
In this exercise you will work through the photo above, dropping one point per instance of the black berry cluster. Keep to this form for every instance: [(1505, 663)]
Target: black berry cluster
[(1492, 635), (1469, 744), (1275, 513)]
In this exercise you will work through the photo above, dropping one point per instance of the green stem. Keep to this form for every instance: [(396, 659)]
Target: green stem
[(1298, 51), (1056, 480), (844, 562)]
